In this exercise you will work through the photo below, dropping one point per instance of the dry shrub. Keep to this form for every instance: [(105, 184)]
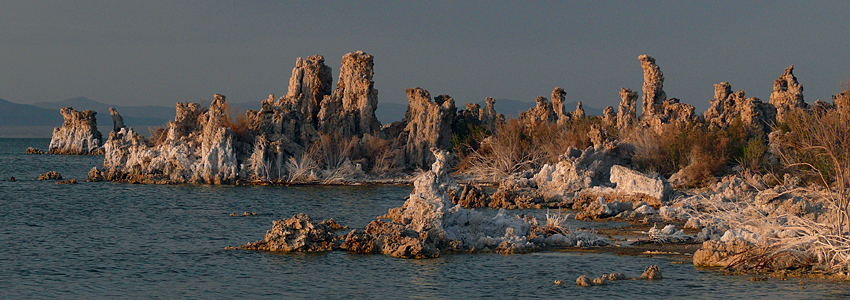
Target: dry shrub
[(377, 154), (509, 151), (554, 139), (817, 148), (238, 123), (158, 136), (300, 169), (331, 150), (701, 152)]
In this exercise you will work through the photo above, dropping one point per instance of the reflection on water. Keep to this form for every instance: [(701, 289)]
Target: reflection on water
[(106, 240)]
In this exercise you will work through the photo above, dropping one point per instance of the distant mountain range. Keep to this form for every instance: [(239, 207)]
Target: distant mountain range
[(39, 119)]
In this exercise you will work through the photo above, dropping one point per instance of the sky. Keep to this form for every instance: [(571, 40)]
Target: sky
[(162, 52)]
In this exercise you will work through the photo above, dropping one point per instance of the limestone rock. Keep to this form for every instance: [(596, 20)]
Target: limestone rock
[(350, 110), (842, 104), (543, 113), (631, 182), (728, 106), (95, 175), (309, 84), (675, 112), (627, 113), (51, 175), (489, 117), (117, 120), (558, 102), (653, 87), (787, 94), (583, 280), (472, 196), (651, 273), (298, 233), (77, 135), (579, 113), (198, 146), (579, 170), (609, 116), (427, 124), (31, 150)]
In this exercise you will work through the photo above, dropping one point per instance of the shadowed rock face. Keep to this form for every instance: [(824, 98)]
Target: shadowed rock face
[(427, 124), (350, 110), (117, 120), (78, 134), (787, 94)]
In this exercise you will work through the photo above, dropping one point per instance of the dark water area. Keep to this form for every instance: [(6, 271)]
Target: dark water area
[(111, 240)]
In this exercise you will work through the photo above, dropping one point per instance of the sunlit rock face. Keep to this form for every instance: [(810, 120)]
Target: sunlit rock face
[(728, 106), (77, 135), (787, 94), (350, 110)]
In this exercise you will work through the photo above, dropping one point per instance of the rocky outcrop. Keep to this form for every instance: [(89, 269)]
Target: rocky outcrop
[(51, 175), (77, 135), (309, 84), (787, 94), (579, 113), (609, 116), (542, 113), (651, 273), (204, 145), (117, 120), (198, 146), (427, 225), (31, 150), (472, 196), (627, 113), (841, 102), (488, 116), (558, 105), (727, 107), (653, 88), (630, 182), (428, 123), (296, 234), (578, 170), (350, 110)]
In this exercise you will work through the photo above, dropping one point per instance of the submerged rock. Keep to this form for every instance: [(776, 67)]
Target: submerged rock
[(651, 273), (51, 175), (296, 234), (31, 150), (78, 134)]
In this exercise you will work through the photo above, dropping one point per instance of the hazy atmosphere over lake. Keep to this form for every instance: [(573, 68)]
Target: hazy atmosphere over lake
[(159, 53)]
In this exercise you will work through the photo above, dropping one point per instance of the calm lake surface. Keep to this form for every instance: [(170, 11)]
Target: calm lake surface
[(111, 240)]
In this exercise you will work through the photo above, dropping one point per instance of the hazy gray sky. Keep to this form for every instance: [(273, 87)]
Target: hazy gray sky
[(151, 52)]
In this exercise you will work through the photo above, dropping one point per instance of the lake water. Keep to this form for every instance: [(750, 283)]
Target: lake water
[(111, 240)]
